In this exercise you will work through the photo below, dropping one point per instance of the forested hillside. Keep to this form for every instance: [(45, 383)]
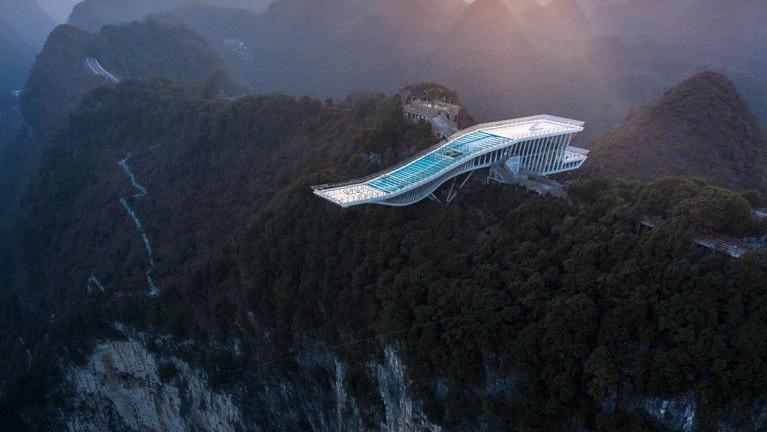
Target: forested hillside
[(507, 58), (60, 77), (508, 310), (701, 127), (665, 41), (91, 15), (164, 264)]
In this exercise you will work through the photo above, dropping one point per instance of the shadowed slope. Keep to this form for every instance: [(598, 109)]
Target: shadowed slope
[(702, 127), (60, 77), (91, 15), (28, 19)]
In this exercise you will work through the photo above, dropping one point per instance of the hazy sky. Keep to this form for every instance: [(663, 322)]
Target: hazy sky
[(58, 9)]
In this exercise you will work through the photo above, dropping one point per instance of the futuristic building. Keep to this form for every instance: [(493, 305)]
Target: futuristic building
[(513, 150)]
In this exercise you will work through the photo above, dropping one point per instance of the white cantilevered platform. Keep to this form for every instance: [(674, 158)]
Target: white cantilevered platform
[(538, 145)]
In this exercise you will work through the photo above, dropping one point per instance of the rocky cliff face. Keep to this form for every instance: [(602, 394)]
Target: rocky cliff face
[(676, 414), (402, 413), (682, 414), (124, 386)]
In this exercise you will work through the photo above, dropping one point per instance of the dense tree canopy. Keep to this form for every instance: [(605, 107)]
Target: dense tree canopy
[(569, 298)]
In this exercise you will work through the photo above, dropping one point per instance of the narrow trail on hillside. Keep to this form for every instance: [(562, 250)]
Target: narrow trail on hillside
[(93, 282), (139, 191), (95, 66)]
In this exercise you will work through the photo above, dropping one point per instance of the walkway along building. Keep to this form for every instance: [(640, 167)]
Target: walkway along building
[(511, 149)]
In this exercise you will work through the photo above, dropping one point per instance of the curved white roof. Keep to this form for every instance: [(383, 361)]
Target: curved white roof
[(441, 158)]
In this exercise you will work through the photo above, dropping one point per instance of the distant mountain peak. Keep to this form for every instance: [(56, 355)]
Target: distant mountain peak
[(91, 15), (484, 7), (571, 5), (518, 7), (28, 19), (484, 17), (486, 30), (707, 96), (700, 86), (558, 21), (701, 127)]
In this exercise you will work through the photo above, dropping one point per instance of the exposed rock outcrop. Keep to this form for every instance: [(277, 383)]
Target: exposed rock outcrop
[(123, 386)]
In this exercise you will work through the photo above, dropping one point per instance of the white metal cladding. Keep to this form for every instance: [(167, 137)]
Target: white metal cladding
[(542, 144)]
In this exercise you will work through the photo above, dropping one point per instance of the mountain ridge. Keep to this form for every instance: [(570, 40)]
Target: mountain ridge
[(91, 15), (29, 20), (701, 127), (60, 78), (250, 265), (560, 23)]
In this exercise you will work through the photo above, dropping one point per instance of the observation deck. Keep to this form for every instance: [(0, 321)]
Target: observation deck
[(538, 145)]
